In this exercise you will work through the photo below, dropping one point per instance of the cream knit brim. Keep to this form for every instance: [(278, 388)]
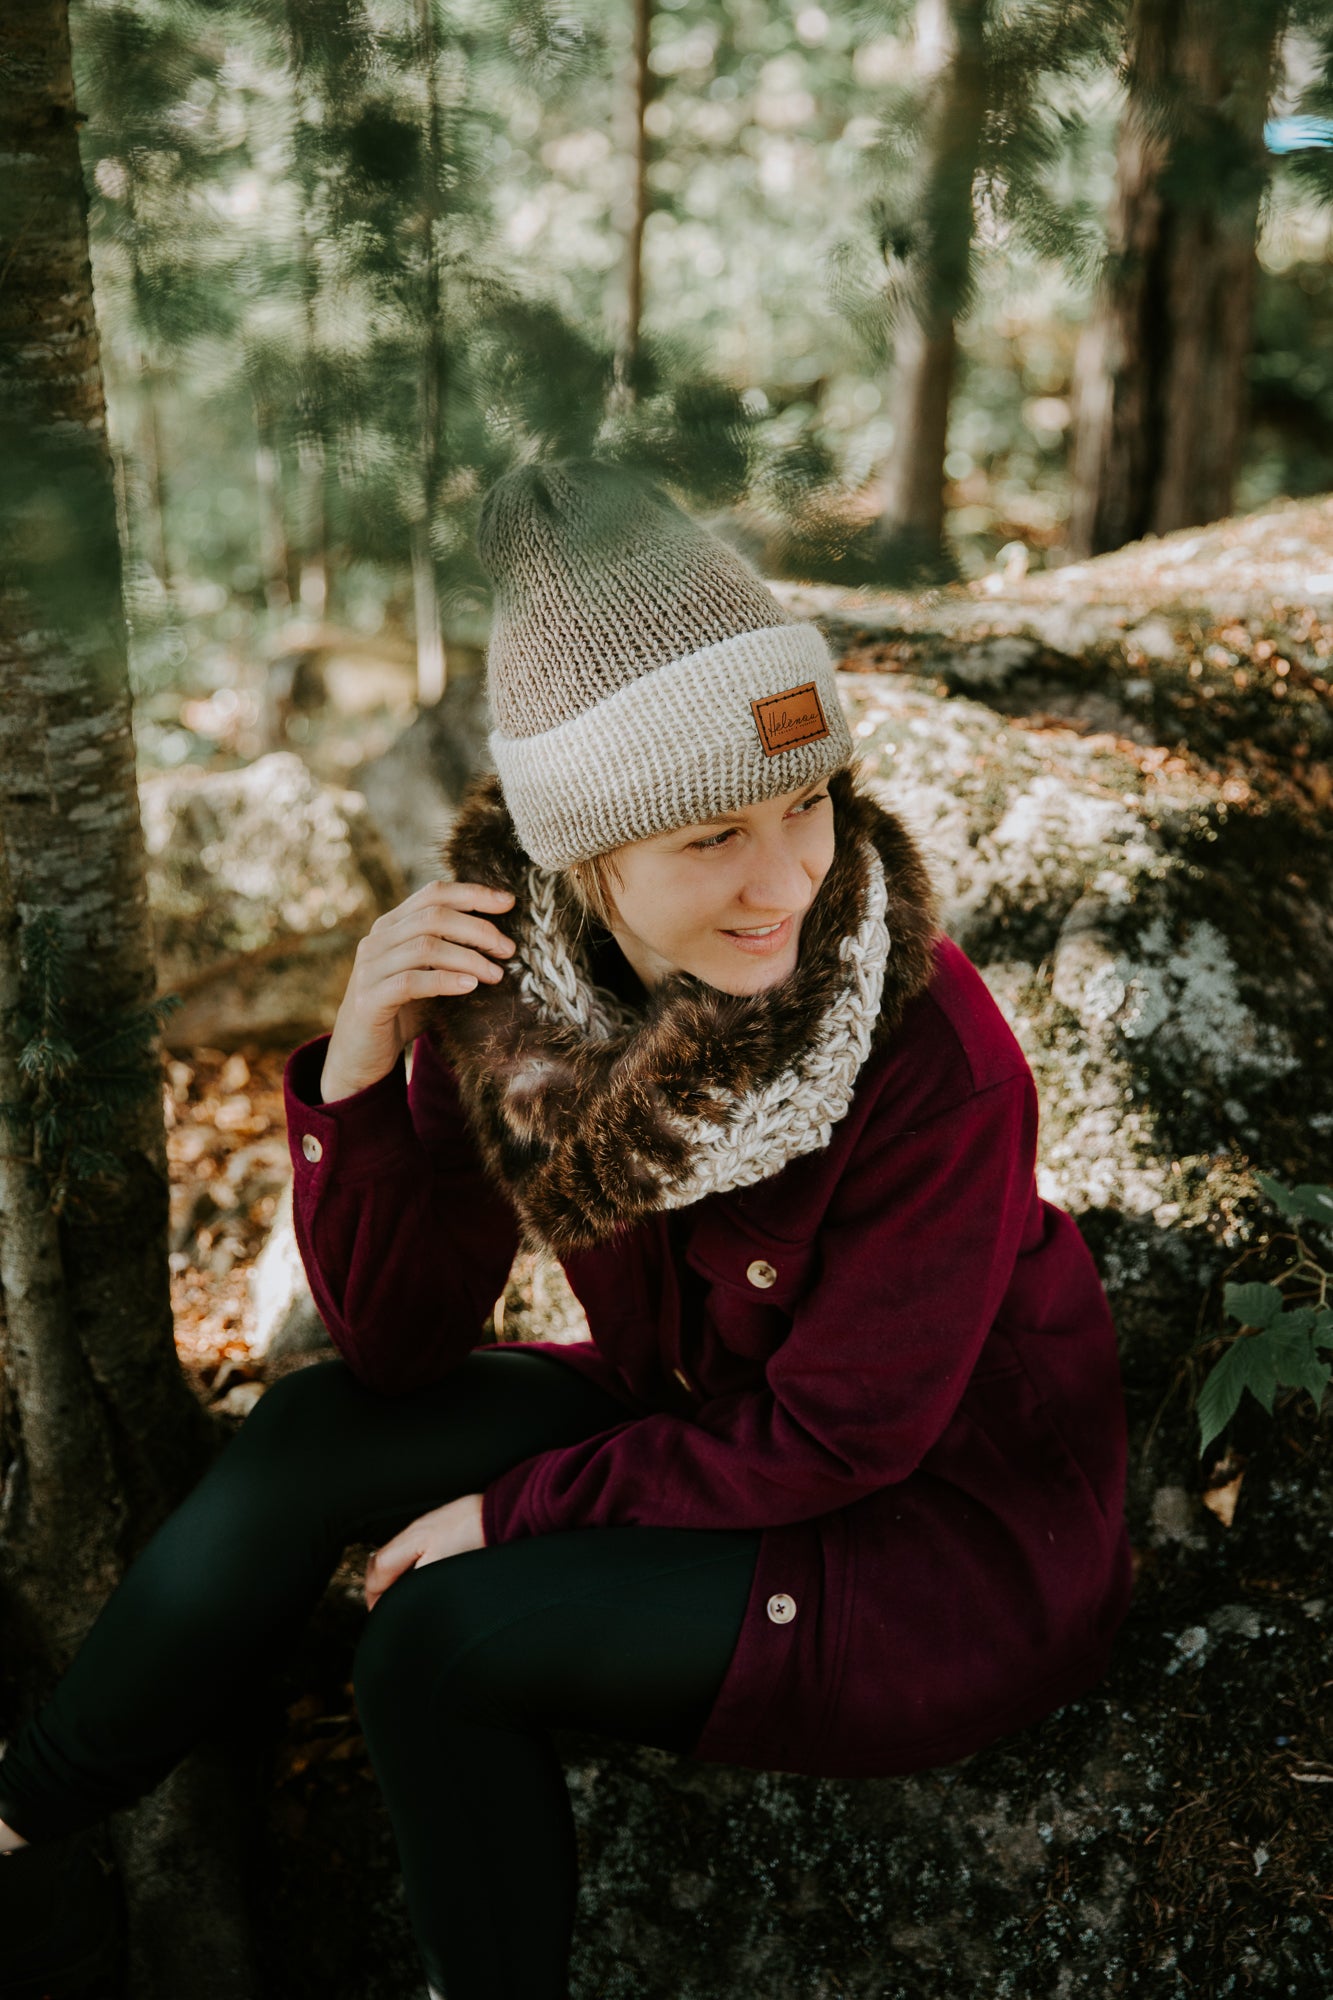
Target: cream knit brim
[(675, 747)]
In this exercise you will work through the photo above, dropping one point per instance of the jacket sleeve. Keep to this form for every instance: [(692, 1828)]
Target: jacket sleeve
[(405, 1241), (915, 1254)]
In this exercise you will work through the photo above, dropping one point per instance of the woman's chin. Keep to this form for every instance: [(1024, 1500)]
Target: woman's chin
[(753, 975)]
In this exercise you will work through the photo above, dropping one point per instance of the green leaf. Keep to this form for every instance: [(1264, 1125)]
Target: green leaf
[(1249, 1363), (1253, 1305), (1323, 1327), (1315, 1202), (1222, 1390), (1277, 1191), (1289, 1344), (1310, 1202), (1258, 1367), (1313, 1378), (1292, 1345)]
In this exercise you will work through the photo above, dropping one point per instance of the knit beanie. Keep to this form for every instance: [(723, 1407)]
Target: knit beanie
[(641, 675)]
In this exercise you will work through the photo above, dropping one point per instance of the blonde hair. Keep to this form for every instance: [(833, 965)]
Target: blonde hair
[(591, 883)]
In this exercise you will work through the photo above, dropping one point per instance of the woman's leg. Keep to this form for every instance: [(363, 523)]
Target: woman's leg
[(463, 1668), (240, 1565)]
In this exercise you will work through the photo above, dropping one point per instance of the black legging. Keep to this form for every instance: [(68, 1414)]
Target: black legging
[(462, 1668)]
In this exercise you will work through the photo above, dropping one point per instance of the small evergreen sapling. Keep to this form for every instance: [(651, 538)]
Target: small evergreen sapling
[(79, 1080), (1279, 1342)]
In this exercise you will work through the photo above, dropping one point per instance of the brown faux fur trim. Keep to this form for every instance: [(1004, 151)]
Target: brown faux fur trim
[(574, 1129)]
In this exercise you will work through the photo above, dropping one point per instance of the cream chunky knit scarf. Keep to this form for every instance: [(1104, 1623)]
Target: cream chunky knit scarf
[(748, 1135)]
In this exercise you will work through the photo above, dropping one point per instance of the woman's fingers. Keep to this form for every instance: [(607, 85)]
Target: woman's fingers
[(446, 902), (421, 927), (431, 955), (450, 1530), (389, 1563)]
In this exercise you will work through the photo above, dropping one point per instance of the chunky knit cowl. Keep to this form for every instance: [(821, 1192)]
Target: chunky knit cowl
[(592, 1112)]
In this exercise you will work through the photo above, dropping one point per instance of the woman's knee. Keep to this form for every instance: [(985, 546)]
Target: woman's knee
[(423, 1643), (301, 1415), (290, 1455)]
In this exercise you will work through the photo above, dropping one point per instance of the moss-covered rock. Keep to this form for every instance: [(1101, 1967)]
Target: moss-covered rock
[(261, 882), (1164, 954), (1158, 928), (1136, 857)]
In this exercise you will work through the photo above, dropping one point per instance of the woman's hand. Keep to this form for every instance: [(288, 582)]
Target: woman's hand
[(432, 945), (450, 1530)]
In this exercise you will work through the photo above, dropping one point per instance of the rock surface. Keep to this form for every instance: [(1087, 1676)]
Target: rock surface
[(284, 1317), (414, 788), (1136, 856), (1165, 956), (261, 883)]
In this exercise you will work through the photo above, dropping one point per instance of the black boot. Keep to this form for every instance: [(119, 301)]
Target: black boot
[(61, 1923)]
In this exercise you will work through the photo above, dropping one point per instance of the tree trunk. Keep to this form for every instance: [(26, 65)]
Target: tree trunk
[(641, 88), (425, 593), (155, 469), (274, 552), (55, 1438), (100, 1434), (914, 477), (951, 58), (309, 586), (1160, 392), (426, 617), (151, 456)]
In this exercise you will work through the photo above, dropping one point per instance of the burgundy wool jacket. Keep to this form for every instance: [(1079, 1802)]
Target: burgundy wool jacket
[(893, 1357)]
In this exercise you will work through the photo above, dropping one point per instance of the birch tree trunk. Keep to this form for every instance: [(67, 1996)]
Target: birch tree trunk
[(1161, 390), (100, 1435)]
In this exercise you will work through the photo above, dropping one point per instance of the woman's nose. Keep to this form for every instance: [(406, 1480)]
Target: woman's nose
[(775, 881)]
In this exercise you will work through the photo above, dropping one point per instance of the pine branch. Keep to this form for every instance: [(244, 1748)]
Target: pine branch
[(79, 1077)]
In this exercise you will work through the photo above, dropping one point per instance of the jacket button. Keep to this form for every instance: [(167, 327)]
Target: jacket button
[(781, 1608), (761, 1274), (311, 1147)]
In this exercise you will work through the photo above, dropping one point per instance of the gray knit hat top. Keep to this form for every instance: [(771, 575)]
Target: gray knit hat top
[(641, 675)]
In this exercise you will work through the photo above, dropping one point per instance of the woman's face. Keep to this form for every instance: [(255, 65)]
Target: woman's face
[(725, 899)]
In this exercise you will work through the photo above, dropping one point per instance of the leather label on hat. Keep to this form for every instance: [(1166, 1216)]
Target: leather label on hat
[(785, 721)]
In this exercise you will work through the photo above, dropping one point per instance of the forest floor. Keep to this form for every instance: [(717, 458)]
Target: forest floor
[(227, 1152)]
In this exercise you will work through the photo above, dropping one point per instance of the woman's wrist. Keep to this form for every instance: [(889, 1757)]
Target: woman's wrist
[(332, 1088), (335, 1084)]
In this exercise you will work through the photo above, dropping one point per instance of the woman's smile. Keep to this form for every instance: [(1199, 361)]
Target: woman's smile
[(762, 940)]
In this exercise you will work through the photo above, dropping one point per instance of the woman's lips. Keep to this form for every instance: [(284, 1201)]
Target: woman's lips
[(765, 945)]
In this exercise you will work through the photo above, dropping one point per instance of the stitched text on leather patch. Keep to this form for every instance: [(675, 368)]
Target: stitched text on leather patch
[(785, 721)]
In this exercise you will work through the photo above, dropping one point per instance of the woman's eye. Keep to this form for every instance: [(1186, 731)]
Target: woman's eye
[(720, 839)]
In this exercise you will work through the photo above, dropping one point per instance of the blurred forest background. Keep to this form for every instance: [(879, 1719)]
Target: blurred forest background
[(895, 297), (891, 293)]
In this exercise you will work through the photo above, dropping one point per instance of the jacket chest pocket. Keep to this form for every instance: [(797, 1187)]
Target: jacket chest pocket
[(754, 1282)]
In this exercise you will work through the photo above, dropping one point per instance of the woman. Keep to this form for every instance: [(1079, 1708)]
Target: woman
[(849, 1426)]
